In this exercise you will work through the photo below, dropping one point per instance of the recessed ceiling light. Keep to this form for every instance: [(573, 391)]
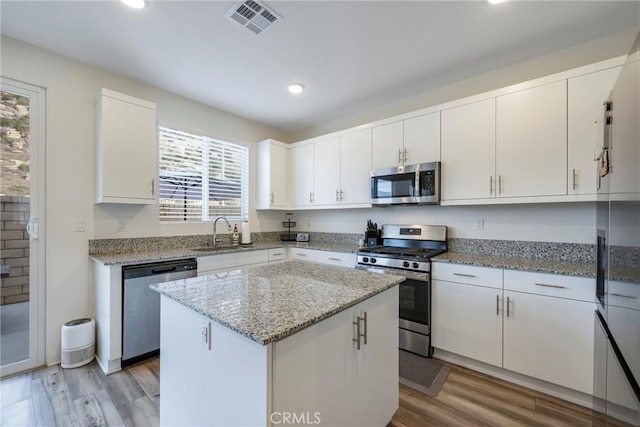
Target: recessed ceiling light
[(296, 88), (496, 1), (135, 4)]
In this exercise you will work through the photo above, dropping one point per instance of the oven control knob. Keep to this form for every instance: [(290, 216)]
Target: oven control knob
[(365, 259), (415, 265), (373, 260), (405, 264)]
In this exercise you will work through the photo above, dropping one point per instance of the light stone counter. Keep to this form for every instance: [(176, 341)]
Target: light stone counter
[(269, 303)]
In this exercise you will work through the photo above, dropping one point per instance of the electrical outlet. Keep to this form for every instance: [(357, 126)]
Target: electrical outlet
[(79, 225), (122, 226), (205, 334), (479, 223)]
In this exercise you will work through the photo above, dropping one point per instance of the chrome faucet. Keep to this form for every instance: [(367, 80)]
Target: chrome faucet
[(215, 223)]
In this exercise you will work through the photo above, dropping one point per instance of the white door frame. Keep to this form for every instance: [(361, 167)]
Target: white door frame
[(37, 272)]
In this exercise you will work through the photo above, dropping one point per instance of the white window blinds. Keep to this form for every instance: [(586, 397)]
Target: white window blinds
[(201, 178)]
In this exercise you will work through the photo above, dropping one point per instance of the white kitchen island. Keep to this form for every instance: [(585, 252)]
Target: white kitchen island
[(279, 345)]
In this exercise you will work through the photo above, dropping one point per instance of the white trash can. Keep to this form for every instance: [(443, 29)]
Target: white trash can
[(78, 343)]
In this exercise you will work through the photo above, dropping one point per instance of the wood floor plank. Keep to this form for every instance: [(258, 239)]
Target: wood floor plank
[(15, 389), (139, 413), (44, 371), (97, 410), (147, 375), (17, 415), (81, 381), (434, 411), (120, 385), (52, 405)]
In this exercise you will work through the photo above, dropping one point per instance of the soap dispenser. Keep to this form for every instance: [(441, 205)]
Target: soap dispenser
[(235, 237)]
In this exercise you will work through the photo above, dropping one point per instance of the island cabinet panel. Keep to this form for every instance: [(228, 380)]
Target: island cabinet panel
[(204, 385), (320, 371)]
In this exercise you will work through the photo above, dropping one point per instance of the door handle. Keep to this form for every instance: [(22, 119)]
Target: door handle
[(491, 184), (341, 195), (550, 286), (463, 275), (32, 228), (500, 184), (272, 197), (359, 332), (337, 195), (153, 187), (623, 296), (573, 179), (399, 156), (405, 156), (310, 197), (507, 306), (497, 305)]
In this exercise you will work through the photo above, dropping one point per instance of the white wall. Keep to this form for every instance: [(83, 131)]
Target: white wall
[(561, 222), (71, 88)]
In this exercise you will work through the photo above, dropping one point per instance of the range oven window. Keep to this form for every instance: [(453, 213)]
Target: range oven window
[(400, 185), (414, 301)]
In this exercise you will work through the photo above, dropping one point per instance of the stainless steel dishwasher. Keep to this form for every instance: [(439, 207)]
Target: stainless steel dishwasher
[(141, 305)]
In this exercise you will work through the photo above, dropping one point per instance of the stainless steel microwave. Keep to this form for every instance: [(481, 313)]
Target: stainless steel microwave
[(406, 185)]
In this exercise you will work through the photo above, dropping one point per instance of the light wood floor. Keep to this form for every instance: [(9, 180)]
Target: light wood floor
[(86, 397)]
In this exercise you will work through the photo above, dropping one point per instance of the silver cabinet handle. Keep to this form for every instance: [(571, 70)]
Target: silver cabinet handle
[(399, 156), (341, 195), (279, 254), (623, 296), (335, 259), (364, 319), (356, 339), (491, 184), (153, 186), (500, 184), (507, 306), (272, 197), (551, 286), (497, 305), (301, 254), (337, 195), (359, 333), (405, 156), (573, 178), (310, 197), (463, 275)]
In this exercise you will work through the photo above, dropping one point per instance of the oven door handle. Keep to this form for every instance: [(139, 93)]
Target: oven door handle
[(421, 277)]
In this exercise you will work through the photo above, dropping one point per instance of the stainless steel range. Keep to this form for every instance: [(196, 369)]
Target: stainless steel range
[(406, 250)]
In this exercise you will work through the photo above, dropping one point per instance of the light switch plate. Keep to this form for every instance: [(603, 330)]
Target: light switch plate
[(79, 225), (479, 223), (205, 334)]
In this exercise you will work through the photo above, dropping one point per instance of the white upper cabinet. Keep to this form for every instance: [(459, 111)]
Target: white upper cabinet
[(355, 167), (531, 141), (301, 173), (586, 95), (272, 175), (422, 139), (387, 146), (326, 171), (411, 141), (468, 151), (126, 149)]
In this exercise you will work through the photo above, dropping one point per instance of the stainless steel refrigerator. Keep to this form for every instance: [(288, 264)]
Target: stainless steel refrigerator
[(617, 318)]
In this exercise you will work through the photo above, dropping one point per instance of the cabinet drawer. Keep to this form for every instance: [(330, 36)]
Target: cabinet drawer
[(276, 255), (216, 262), (253, 257), (623, 294), (303, 254), (555, 285), (467, 274), (336, 258)]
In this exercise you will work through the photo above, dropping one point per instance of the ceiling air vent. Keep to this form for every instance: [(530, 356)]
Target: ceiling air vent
[(253, 15)]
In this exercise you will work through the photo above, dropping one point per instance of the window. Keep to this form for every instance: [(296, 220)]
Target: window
[(201, 178)]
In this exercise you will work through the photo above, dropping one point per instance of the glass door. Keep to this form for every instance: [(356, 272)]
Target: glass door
[(22, 132)]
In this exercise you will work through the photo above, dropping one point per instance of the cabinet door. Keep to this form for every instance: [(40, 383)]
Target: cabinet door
[(468, 151), (387, 146), (586, 95), (550, 339), (377, 361), (355, 167), (531, 141), (314, 371), (127, 152), (326, 172), (278, 176), (301, 162), (467, 320), (422, 139)]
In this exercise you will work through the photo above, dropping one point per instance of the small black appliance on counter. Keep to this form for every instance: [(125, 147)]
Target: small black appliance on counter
[(372, 235)]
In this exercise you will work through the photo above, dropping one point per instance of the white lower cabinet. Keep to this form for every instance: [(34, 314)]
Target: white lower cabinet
[(362, 382), (225, 262), (324, 257), (536, 324)]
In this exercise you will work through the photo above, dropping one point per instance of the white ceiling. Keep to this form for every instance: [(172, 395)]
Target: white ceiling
[(351, 55)]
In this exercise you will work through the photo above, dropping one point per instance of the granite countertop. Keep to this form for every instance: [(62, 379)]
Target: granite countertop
[(269, 303), (140, 256), (524, 264)]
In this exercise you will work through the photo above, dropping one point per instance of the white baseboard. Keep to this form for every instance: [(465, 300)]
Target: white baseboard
[(564, 393), (111, 367)]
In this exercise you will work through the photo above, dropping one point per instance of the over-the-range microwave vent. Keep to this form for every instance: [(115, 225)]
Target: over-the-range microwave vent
[(253, 15)]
